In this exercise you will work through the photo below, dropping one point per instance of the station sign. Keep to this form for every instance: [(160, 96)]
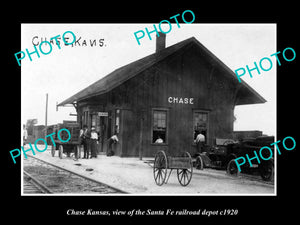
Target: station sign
[(102, 113), (181, 100)]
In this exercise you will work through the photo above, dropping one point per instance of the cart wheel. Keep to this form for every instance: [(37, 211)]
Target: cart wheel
[(60, 151), (232, 168), (199, 163), (266, 170), (160, 168), (184, 176), (53, 150)]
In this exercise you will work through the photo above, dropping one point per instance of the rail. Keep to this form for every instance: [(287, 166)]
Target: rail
[(117, 190)]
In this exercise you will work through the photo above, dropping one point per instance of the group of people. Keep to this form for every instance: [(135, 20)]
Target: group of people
[(90, 139)]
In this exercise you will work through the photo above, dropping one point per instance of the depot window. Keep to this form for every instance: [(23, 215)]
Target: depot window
[(200, 124), (159, 127), (95, 121)]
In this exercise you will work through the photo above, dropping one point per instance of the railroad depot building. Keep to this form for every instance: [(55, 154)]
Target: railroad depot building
[(168, 95)]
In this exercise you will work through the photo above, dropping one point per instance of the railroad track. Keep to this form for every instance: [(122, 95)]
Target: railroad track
[(43, 177), (33, 186)]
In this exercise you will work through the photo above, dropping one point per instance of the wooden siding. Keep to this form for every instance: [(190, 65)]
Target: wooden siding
[(185, 74)]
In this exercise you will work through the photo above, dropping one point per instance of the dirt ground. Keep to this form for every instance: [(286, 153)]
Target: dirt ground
[(136, 177)]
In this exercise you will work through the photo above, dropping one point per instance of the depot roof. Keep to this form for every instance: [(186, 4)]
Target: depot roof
[(247, 95)]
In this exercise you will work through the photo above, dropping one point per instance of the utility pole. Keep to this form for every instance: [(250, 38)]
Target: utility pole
[(46, 115)]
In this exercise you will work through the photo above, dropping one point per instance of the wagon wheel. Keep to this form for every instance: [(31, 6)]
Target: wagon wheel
[(160, 168), (184, 175), (266, 170), (60, 151), (199, 163), (53, 150), (232, 168)]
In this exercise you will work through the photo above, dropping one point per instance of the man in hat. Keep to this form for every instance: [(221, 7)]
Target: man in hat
[(94, 141), (84, 135)]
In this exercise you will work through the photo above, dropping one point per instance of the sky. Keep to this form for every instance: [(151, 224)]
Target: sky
[(64, 72)]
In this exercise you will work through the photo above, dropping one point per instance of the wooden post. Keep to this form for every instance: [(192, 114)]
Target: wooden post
[(141, 136)]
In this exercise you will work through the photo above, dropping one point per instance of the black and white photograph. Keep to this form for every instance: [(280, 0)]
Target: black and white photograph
[(150, 114), (141, 109)]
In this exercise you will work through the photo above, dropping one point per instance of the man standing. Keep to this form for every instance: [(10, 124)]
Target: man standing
[(94, 141), (200, 140), (84, 135)]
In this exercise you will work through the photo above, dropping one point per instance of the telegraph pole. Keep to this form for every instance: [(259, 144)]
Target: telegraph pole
[(46, 115)]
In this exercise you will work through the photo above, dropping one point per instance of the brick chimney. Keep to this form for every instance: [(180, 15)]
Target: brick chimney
[(160, 42)]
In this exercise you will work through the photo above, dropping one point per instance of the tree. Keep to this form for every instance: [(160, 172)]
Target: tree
[(29, 125)]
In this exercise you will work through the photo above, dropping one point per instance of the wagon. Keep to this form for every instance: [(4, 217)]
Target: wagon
[(163, 163), (72, 146)]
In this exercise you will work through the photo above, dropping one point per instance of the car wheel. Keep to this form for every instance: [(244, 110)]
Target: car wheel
[(232, 168), (199, 163)]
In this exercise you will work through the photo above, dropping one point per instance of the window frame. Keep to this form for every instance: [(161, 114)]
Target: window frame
[(207, 126), (166, 110)]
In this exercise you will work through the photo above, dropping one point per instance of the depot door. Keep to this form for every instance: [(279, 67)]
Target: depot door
[(130, 132), (102, 123), (102, 132)]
